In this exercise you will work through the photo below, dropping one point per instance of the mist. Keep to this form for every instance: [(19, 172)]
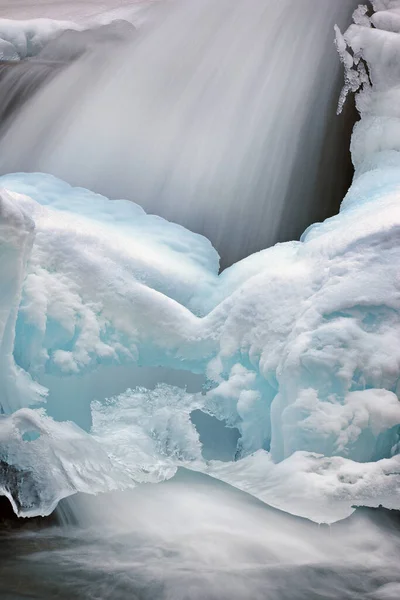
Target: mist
[(196, 538)]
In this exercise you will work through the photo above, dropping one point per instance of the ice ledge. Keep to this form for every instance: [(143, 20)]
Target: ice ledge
[(17, 232)]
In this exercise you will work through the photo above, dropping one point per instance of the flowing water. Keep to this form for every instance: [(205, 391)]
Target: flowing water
[(218, 115), (194, 538)]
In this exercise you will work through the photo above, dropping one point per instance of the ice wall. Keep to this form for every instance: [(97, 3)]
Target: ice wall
[(298, 343), (16, 239)]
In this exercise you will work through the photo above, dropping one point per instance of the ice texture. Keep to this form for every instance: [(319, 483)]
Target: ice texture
[(106, 282), (16, 239), (21, 39), (298, 344), (42, 461), (26, 38)]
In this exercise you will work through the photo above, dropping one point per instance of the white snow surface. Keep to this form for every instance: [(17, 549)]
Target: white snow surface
[(27, 27), (298, 343)]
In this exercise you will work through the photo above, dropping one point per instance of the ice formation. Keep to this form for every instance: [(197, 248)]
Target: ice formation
[(298, 344), (22, 39), (27, 38)]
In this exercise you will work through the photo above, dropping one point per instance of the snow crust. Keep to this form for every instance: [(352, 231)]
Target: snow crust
[(298, 344), (43, 461), (27, 37)]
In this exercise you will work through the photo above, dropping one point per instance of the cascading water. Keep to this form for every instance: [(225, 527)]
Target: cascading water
[(219, 116), (272, 384), (19, 81)]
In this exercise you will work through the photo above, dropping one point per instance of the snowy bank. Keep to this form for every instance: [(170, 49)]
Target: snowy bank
[(298, 344)]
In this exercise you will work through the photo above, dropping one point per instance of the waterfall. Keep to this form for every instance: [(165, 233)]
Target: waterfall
[(19, 81), (190, 430), (219, 116)]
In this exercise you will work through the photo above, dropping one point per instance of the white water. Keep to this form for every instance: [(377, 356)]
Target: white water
[(219, 116), (141, 133), (194, 538)]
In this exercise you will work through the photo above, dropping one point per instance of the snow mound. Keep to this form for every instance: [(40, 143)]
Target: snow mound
[(22, 39), (56, 40), (298, 345)]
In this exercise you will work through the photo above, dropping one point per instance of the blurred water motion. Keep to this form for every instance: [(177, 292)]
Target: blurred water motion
[(219, 115), (194, 538)]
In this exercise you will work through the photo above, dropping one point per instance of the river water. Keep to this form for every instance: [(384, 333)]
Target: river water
[(194, 538)]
